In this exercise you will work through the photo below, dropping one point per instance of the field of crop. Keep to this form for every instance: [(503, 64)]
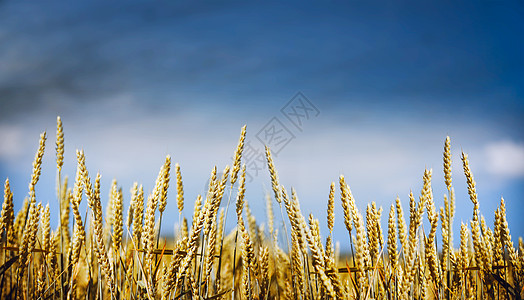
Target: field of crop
[(121, 255)]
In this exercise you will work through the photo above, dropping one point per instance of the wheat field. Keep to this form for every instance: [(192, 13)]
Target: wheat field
[(120, 254)]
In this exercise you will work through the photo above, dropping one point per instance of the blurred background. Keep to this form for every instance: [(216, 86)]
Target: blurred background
[(368, 91)]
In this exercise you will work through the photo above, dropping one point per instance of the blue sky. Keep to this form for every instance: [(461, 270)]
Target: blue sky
[(136, 80)]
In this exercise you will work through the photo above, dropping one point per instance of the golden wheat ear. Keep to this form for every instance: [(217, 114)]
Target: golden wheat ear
[(274, 175), (59, 144), (238, 156), (8, 214), (180, 189)]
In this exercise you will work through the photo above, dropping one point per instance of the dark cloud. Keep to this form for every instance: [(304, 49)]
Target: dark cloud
[(235, 51)]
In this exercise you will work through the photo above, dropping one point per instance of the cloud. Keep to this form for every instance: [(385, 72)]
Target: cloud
[(122, 140), (11, 137), (97, 50), (505, 158)]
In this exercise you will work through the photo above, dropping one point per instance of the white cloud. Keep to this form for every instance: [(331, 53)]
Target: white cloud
[(505, 158), (11, 141), (125, 141)]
